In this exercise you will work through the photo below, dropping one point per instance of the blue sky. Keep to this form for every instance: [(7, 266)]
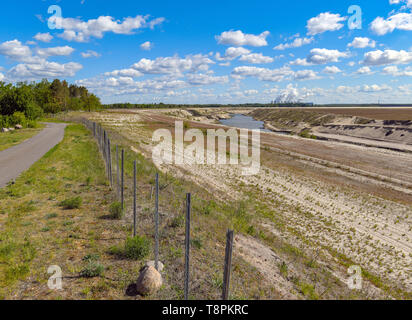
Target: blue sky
[(214, 51)]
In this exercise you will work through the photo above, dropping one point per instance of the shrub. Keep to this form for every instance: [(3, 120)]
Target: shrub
[(18, 118), (72, 203), (4, 121), (137, 248), (116, 210), (93, 269), (32, 124), (33, 111)]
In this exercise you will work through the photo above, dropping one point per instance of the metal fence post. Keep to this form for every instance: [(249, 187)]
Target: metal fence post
[(157, 224), (122, 187), (134, 199), (118, 172), (109, 156), (187, 245), (228, 265)]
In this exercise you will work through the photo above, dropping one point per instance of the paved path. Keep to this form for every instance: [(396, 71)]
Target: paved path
[(15, 160)]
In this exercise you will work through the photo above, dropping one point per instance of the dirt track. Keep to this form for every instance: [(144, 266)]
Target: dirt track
[(17, 159)]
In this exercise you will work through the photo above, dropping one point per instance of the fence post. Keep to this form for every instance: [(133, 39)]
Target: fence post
[(228, 265), (109, 155), (118, 172), (187, 244), (122, 186), (157, 224), (134, 199)]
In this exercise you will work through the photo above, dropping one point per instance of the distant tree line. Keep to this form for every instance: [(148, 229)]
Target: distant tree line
[(176, 106), (26, 102)]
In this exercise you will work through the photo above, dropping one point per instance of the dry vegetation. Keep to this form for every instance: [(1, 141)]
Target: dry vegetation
[(299, 224), (305, 221)]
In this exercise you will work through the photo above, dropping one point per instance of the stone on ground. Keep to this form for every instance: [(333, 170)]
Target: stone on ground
[(149, 282)]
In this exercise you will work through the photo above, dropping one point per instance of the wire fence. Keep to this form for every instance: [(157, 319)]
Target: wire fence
[(118, 185)]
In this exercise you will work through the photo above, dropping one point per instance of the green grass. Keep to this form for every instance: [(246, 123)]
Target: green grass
[(71, 203), (10, 139), (30, 237), (136, 248)]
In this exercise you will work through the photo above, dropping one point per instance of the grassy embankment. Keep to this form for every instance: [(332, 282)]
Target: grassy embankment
[(37, 232), (10, 139)]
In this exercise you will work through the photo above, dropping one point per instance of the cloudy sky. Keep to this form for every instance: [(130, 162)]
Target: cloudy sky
[(214, 51)]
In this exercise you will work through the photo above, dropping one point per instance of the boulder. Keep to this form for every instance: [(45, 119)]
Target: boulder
[(149, 282), (18, 127), (4, 130), (11, 129), (152, 264)]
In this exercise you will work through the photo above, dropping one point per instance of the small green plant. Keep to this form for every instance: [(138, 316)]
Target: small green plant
[(93, 269), (308, 291), (208, 209), (178, 221), (88, 181), (217, 282), (116, 210), (251, 231), (72, 203), (197, 243), (51, 216), (91, 257), (137, 248), (283, 268)]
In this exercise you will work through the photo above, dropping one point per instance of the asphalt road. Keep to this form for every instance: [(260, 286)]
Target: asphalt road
[(17, 159)]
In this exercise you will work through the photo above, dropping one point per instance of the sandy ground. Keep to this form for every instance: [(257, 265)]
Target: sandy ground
[(374, 232)]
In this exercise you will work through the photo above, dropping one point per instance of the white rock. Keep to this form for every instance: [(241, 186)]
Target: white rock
[(4, 130)]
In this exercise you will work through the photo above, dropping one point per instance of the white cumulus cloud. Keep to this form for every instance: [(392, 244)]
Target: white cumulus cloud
[(378, 57), (82, 31), (400, 21), (238, 38), (147, 46), (362, 42), (298, 42), (256, 58), (325, 22), (43, 37)]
